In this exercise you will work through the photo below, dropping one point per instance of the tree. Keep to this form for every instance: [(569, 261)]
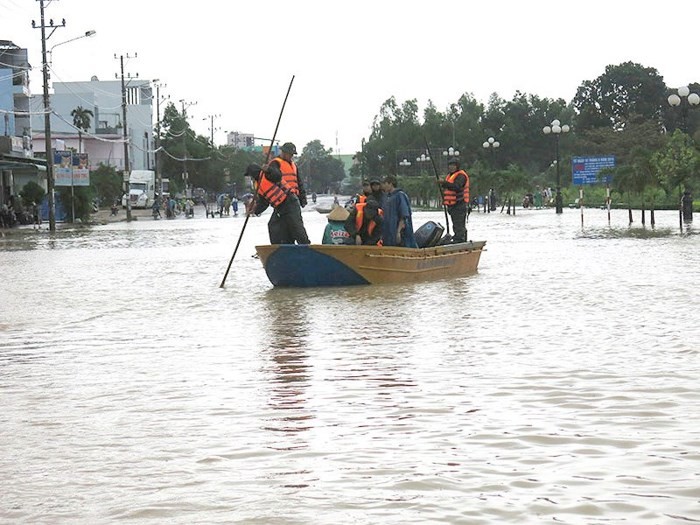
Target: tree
[(623, 93), (81, 120), (107, 185), (32, 193), (319, 170), (679, 163)]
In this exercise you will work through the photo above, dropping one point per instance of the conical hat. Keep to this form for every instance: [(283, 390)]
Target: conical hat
[(338, 214)]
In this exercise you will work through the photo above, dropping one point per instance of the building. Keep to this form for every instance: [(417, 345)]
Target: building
[(240, 140), (17, 163), (103, 142)]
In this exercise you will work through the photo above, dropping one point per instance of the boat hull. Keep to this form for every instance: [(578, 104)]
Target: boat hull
[(289, 265)]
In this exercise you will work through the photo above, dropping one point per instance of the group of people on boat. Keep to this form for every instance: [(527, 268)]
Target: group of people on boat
[(380, 215)]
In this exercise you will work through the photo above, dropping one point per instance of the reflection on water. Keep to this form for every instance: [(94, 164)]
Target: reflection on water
[(557, 385), (285, 345)]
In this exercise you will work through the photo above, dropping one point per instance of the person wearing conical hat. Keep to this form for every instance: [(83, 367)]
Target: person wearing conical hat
[(335, 232)]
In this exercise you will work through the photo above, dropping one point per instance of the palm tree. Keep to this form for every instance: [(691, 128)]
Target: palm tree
[(81, 120)]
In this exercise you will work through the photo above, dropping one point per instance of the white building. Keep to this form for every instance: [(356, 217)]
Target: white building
[(103, 142), (240, 140)]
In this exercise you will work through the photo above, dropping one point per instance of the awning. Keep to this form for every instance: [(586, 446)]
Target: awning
[(17, 162)]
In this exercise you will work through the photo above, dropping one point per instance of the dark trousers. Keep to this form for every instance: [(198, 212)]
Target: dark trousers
[(286, 225), (458, 214)]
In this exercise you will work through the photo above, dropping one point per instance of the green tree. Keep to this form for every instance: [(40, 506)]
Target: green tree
[(106, 184), (31, 192), (81, 120), (678, 163), (319, 170), (623, 93)]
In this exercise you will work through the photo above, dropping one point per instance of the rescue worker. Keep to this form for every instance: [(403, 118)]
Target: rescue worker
[(286, 225), (455, 193), (286, 169), (364, 224), (376, 191)]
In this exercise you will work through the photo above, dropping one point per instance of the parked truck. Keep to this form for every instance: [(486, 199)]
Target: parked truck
[(142, 189)]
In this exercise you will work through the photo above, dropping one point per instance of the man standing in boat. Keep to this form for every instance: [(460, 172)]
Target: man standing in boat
[(286, 169), (398, 224), (455, 193), (286, 225)]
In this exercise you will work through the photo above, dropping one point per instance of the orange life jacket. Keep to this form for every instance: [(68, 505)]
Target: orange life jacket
[(360, 218), (290, 178), (275, 194), (450, 197)]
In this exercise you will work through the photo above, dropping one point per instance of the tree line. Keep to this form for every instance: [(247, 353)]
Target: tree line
[(624, 112)]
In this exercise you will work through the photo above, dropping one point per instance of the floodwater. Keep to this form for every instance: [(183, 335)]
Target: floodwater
[(557, 385)]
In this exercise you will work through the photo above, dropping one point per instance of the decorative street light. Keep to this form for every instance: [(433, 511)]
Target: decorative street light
[(684, 99), (491, 145), (450, 152), (557, 128), (405, 163), (422, 161)]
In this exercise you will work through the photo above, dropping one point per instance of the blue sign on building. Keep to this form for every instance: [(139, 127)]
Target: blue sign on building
[(584, 170)]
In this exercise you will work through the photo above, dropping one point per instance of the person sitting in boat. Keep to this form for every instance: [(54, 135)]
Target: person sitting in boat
[(398, 223), (365, 221), (376, 192), (286, 225), (335, 232), (359, 197)]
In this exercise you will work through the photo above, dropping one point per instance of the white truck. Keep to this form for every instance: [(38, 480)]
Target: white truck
[(142, 188)]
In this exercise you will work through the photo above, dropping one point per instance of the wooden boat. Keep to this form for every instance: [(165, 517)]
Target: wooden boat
[(298, 266)]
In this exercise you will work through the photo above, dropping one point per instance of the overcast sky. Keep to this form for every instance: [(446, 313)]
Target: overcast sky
[(236, 58)]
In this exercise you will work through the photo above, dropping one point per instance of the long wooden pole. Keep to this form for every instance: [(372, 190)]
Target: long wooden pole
[(267, 158), (437, 178)]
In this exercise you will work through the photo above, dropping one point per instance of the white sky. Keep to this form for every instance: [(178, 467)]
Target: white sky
[(236, 58)]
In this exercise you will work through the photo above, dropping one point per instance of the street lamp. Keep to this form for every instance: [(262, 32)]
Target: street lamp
[(422, 160), (405, 163), (557, 128), (491, 144), (450, 152), (87, 34), (684, 99)]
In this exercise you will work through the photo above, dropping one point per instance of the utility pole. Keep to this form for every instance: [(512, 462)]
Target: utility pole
[(47, 114), (212, 129), (185, 176), (159, 173), (125, 135)]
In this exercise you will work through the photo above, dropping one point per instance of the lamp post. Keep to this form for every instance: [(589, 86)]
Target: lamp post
[(450, 152), (684, 99), (87, 34), (557, 128), (491, 145), (422, 161), (405, 163)]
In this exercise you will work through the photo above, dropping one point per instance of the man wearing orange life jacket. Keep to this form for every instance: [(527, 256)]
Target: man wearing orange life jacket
[(286, 169), (455, 192), (365, 221), (286, 225)]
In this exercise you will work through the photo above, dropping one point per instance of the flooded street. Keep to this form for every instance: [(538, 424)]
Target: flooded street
[(557, 385)]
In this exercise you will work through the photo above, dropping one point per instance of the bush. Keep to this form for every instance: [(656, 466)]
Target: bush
[(32, 193)]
